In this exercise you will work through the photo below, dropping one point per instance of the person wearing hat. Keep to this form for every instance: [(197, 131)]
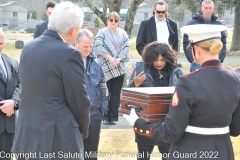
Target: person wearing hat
[(205, 108), (205, 16)]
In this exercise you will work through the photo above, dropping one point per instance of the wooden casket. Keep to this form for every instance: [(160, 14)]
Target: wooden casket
[(150, 103)]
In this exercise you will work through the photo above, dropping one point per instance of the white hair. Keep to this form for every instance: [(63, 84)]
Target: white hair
[(207, 2), (65, 16)]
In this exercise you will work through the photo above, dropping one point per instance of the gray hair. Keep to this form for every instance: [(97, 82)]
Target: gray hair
[(161, 2), (84, 32), (65, 16), (207, 2)]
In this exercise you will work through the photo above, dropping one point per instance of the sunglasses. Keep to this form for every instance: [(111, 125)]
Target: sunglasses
[(160, 11), (111, 20)]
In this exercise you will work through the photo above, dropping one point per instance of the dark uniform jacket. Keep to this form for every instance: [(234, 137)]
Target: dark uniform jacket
[(53, 114), (198, 19), (9, 90), (149, 82), (147, 33), (40, 28), (207, 98)]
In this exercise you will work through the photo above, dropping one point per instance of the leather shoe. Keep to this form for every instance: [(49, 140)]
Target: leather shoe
[(106, 122), (113, 122)]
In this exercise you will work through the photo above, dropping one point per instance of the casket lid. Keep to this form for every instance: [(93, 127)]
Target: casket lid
[(150, 90)]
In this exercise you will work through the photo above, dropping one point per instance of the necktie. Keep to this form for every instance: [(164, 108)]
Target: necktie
[(3, 73)]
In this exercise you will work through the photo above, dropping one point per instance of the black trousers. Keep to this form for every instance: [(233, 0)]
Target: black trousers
[(91, 143), (114, 88), (6, 142), (146, 151)]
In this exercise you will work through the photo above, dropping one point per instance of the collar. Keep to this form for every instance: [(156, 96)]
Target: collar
[(61, 37), (212, 63), (156, 20)]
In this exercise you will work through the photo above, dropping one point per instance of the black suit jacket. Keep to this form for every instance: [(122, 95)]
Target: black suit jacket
[(9, 90), (148, 33), (54, 110), (40, 28)]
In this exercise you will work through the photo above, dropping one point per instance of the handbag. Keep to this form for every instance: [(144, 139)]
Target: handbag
[(112, 70)]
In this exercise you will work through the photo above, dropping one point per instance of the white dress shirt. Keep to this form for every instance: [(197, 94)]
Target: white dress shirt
[(162, 30)]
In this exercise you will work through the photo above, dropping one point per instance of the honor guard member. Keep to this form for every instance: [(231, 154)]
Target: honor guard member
[(205, 107)]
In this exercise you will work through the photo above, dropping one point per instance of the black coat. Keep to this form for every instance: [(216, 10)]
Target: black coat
[(207, 98), (53, 114), (40, 28), (147, 33)]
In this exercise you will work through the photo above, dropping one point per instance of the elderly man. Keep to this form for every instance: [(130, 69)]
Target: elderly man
[(40, 28), (53, 118), (96, 89), (206, 16), (9, 99)]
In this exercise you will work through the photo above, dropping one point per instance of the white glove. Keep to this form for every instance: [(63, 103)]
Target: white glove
[(132, 117)]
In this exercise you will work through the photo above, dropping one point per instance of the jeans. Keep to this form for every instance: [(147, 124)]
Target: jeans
[(194, 67)]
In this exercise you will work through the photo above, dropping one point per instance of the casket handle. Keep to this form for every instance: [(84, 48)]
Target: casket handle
[(137, 108)]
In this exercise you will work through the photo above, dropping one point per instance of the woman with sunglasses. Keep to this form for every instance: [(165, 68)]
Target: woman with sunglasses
[(112, 48), (160, 69)]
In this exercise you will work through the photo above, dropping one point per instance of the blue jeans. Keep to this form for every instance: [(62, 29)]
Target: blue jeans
[(194, 67)]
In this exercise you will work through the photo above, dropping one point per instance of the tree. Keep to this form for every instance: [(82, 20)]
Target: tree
[(220, 7), (115, 5)]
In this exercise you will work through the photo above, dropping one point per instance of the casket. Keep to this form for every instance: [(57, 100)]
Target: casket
[(150, 103)]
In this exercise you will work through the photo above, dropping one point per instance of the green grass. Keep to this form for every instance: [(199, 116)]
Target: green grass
[(10, 50)]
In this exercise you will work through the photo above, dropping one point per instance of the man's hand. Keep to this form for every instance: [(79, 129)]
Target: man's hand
[(139, 79), (7, 107), (132, 117)]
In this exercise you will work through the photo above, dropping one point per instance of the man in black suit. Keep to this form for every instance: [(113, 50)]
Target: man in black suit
[(53, 116), (158, 28), (9, 99), (40, 28)]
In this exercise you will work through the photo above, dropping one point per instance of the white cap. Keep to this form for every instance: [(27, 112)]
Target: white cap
[(201, 32)]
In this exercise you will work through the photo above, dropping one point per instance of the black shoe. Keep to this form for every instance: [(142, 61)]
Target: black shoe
[(106, 122), (113, 122)]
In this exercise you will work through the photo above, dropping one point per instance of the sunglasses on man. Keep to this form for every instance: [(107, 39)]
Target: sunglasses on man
[(160, 11), (111, 20)]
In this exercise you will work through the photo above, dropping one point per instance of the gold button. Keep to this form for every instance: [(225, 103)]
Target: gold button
[(141, 130), (147, 131), (135, 129)]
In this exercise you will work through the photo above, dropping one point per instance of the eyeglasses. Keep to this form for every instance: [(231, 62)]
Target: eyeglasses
[(111, 20), (160, 11)]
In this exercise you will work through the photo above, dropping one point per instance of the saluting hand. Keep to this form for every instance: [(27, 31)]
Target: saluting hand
[(139, 79)]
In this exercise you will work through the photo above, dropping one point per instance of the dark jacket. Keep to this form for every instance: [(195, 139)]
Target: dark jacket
[(207, 98), (96, 84), (40, 28), (198, 19), (147, 33), (149, 82), (54, 109), (9, 90)]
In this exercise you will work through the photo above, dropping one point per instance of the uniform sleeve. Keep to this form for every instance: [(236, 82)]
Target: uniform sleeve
[(234, 126), (75, 90), (140, 41), (100, 47), (176, 120)]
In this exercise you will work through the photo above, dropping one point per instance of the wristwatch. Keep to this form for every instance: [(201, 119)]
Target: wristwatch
[(16, 104)]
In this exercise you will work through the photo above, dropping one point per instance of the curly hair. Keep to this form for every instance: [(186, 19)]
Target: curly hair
[(152, 51)]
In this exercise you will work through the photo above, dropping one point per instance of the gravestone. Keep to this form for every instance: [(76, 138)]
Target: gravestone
[(19, 44)]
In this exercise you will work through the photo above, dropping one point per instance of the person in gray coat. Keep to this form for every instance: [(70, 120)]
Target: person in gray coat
[(53, 117), (159, 68)]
